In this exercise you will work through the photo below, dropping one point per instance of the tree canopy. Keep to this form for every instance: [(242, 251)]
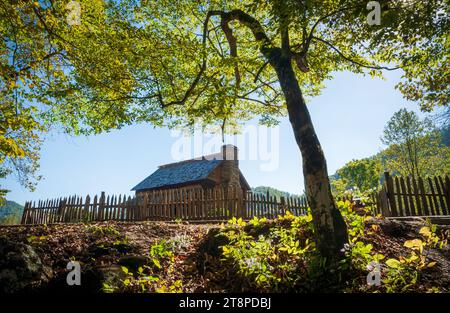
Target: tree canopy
[(155, 61), (175, 61)]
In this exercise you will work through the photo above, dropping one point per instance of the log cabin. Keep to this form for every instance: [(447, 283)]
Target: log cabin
[(215, 170)]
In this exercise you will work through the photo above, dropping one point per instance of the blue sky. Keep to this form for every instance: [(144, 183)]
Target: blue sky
[(349, 118)]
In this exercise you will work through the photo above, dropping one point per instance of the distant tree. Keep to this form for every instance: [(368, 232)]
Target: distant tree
[(414, 146), (338, 185), (3, 192), (363, 174), (10, 213), (272, 192)]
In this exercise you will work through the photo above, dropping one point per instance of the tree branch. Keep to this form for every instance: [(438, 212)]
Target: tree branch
[(226, 17), (260, 71), (313, 28), (247, 20), (375, 67), (261, 102), (233, 49), (196, 80)]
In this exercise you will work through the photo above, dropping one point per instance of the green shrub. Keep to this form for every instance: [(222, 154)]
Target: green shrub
[(269, 261), (404, 273), (156, 276), (280, 255)]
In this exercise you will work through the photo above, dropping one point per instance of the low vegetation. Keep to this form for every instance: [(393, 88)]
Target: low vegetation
[(261, 255), (280, 255)]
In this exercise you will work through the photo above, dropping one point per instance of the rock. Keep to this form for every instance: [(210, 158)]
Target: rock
[(124, 248), (100, 251), (133, 262), (407, 229), (213, 241), (20, 267), (395, 228), (92, 280), (110, 273), (210, 246), (108, 249)]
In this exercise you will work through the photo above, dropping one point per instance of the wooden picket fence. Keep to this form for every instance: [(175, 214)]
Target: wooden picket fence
[(407, 196), (183, 204), (399, 197)]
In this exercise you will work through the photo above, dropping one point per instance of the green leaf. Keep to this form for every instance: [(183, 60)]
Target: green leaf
[(393, 263), (415, 244), (378, 257), (157, 263), (425, 231)]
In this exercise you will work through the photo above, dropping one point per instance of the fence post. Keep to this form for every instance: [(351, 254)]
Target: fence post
[(390, 193), (282, 206), (86, 214), (24, 214), (62, 209), (446, 188), (384, 202), (242, 203), (101, 206)]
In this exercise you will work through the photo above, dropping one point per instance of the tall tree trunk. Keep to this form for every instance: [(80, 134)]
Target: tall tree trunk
[(330, 228)]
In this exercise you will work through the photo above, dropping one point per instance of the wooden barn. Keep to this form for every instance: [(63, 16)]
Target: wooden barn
[(216, 170)]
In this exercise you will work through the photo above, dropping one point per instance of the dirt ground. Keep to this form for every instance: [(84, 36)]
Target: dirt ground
[(102, 245), (98, 246)]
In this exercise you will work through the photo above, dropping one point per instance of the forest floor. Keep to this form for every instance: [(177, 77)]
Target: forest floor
[(101, 247), (105, 247)]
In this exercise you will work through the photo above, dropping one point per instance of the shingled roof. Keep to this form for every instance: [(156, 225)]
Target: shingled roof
[(179, 173)]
